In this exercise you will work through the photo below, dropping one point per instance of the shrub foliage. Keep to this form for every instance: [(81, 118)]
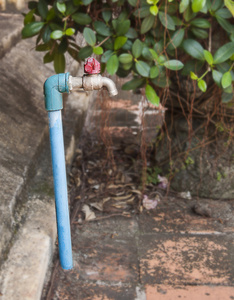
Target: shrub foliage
[(151, 39)]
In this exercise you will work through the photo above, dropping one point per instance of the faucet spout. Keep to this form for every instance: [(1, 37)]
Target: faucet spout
[(93, 82), (110, 86)]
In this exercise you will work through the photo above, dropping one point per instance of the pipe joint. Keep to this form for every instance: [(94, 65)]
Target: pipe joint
[(53, 87)]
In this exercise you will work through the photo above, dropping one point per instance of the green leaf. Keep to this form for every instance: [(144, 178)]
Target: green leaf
[(122, 27), (225, 24), (74, 53), (194, 49), (57, 34), (119, 42), (59, 63), (125, 58), (176, 39), (147, 24), (70, 8), (127, 46), (32, 4), (217, 76), (70, 31), (137, 48), (106, 56), (61, 7), (208, 57), (162, 59), (81, 18), (89, 36), (131, 34), (106, 14), (228, 90), (151, 95), (98, 50), (214, 5), (154, 72), (46, 34), (112, 65), (159, 46), (127, 66), (161, 81), (167, 21), (192, 65), (85, 52), (87, 2), (62, 48), (226, 80), (133, 84), (32, 29), (42, 8), (189, 14), (197, 5), (201, 23), (29, 18), (199, 33), (226, 97), (183, 5), (154, 10), (133, 2), (174, 65), (48, 58), (142, 68), (102, 28), (202, 85), (142, 12), (223, 13), (149, 54), (224, 53), (51, 15), (193, 76), (42, 47), (230, 6)]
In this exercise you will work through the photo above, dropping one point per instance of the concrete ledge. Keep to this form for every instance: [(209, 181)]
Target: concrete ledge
[(23, 274)]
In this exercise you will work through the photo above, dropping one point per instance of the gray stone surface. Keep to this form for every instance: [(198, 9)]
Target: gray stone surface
[(23, 124), (10, 33), (28, 227)]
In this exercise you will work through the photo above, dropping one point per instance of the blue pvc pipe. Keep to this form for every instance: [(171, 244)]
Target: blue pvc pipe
[(60, 188)]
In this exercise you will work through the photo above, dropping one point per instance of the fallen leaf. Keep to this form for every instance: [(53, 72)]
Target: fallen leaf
[(97, 205), (126, 197), (89, 214)]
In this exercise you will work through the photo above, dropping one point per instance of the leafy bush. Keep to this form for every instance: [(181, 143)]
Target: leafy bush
[(146, 38)]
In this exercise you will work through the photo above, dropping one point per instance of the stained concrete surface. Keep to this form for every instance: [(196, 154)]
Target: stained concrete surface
[(138, 259)]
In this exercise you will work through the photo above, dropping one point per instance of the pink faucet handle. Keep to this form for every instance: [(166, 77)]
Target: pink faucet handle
[(92, 66)]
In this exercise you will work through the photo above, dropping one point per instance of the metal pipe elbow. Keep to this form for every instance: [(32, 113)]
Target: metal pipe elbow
[(53, 87)]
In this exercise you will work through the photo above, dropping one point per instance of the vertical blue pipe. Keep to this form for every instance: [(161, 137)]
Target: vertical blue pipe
[(60, 188)]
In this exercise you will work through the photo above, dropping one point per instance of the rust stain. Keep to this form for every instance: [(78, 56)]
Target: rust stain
[(165, 292)]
